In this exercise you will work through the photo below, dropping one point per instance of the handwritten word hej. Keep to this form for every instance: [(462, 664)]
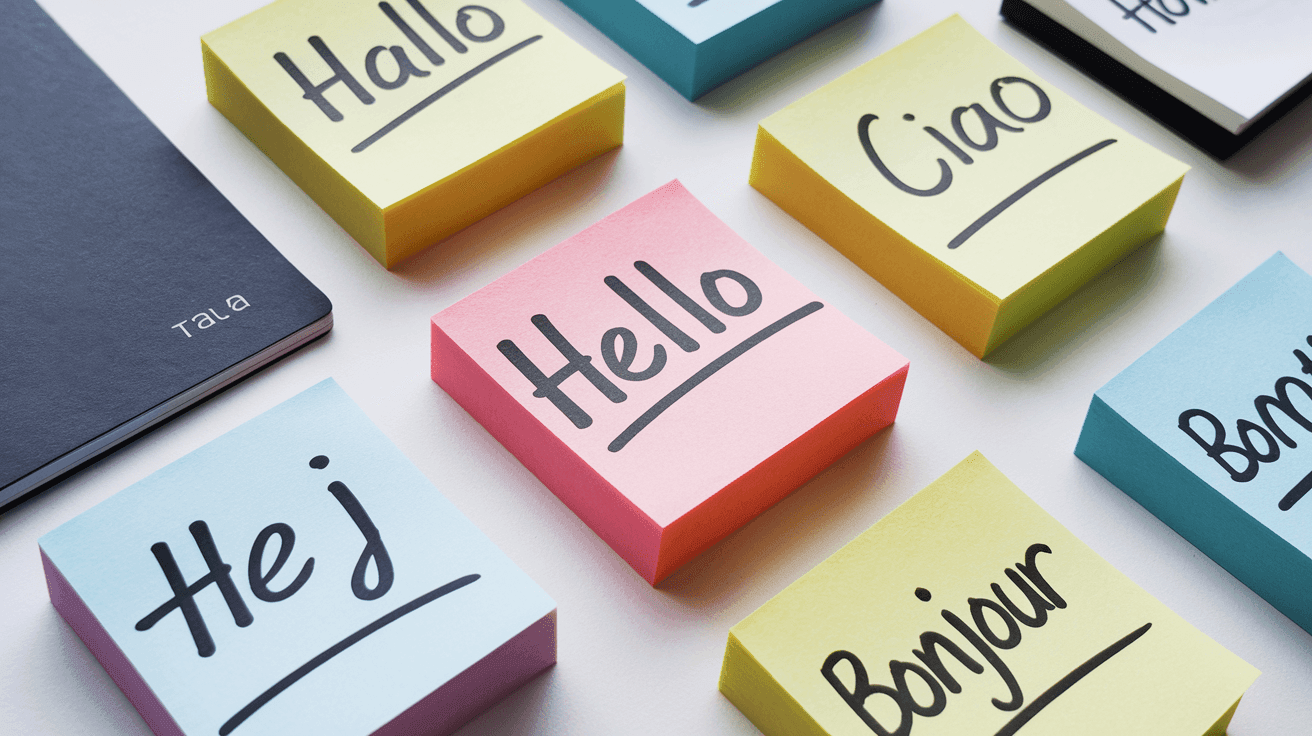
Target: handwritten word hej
[(259, 577)]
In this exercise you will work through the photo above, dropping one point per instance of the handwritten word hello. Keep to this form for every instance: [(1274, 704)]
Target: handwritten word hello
[(619, 345), (998, 623), (209, 318), (987, 124), (1268, 431), (1160, 8)]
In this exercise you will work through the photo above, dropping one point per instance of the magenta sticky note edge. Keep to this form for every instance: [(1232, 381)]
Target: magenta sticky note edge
[(84, 623)]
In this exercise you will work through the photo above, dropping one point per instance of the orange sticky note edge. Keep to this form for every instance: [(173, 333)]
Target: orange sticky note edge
[(407, 122), (969, 610), (663, 378), (977, 192)]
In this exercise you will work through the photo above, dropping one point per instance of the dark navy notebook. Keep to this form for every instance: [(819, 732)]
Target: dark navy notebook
[(129, 287)]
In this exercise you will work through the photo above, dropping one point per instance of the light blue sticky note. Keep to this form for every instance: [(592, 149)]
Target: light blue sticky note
[(1211, 430), (695, 45), (298, 575)]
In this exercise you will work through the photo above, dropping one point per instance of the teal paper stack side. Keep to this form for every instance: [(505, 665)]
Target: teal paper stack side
[(1246, 510), (696, 46)]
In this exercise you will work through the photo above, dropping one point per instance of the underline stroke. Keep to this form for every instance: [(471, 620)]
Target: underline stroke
[(998, 209), (682, 389), (338, 648), (1065, 683), (439, 94), (1299, 490)]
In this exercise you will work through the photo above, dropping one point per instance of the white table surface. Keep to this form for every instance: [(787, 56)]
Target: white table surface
[(633, 659)]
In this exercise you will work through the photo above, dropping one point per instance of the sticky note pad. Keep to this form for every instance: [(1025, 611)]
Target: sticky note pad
[(969, 610), (663, 378), (1210, 431), (297, 575), (973, 189), (695, 45), (409, 121)]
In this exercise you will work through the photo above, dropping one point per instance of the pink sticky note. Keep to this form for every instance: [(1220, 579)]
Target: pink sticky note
[(663, 378)]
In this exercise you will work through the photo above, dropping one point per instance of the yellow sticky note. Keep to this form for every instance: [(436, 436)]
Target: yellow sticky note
[(408, 121), (973, 189), (969, 610)]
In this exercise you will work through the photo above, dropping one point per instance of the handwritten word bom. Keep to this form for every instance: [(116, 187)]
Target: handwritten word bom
[(969, 610), (297, 575), (973, 189), (411, 119), (1211, 429), (696, 45), (663, 378)]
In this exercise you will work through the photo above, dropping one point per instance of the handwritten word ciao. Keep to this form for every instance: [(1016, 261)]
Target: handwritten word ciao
[(619, 345), (209, 318), (260, 578), (985, 123), (998, 623), (1268, 432), (1165, 11), (474, 23)]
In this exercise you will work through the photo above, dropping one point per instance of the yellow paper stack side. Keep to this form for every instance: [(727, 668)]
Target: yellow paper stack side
[(1073, 222), (1047, 636), (508, 114)]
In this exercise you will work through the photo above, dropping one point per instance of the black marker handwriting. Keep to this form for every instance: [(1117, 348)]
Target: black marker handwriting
[(983, 639), (1271, 434), (474, 24), (259, 702), (985, 120), (1159, 8), (1015, 196), (619, 345)]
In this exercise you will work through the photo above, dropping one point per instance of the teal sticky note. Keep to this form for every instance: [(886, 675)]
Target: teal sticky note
[(1211, 430), (298, 575), (695, 45)]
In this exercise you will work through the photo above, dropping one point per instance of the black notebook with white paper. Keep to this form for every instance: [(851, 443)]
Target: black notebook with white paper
[(129, 287), (1218, 72)]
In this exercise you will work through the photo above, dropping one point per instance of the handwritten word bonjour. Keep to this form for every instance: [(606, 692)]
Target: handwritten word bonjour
[(987, 614), (1268, 431), (619, 345)]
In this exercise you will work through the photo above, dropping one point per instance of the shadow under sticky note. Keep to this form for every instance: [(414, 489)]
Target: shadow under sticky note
[(1209, 431), (696, 45), (409, 123), (971, 188), (663, 378), (298, 575), (968, 609)]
